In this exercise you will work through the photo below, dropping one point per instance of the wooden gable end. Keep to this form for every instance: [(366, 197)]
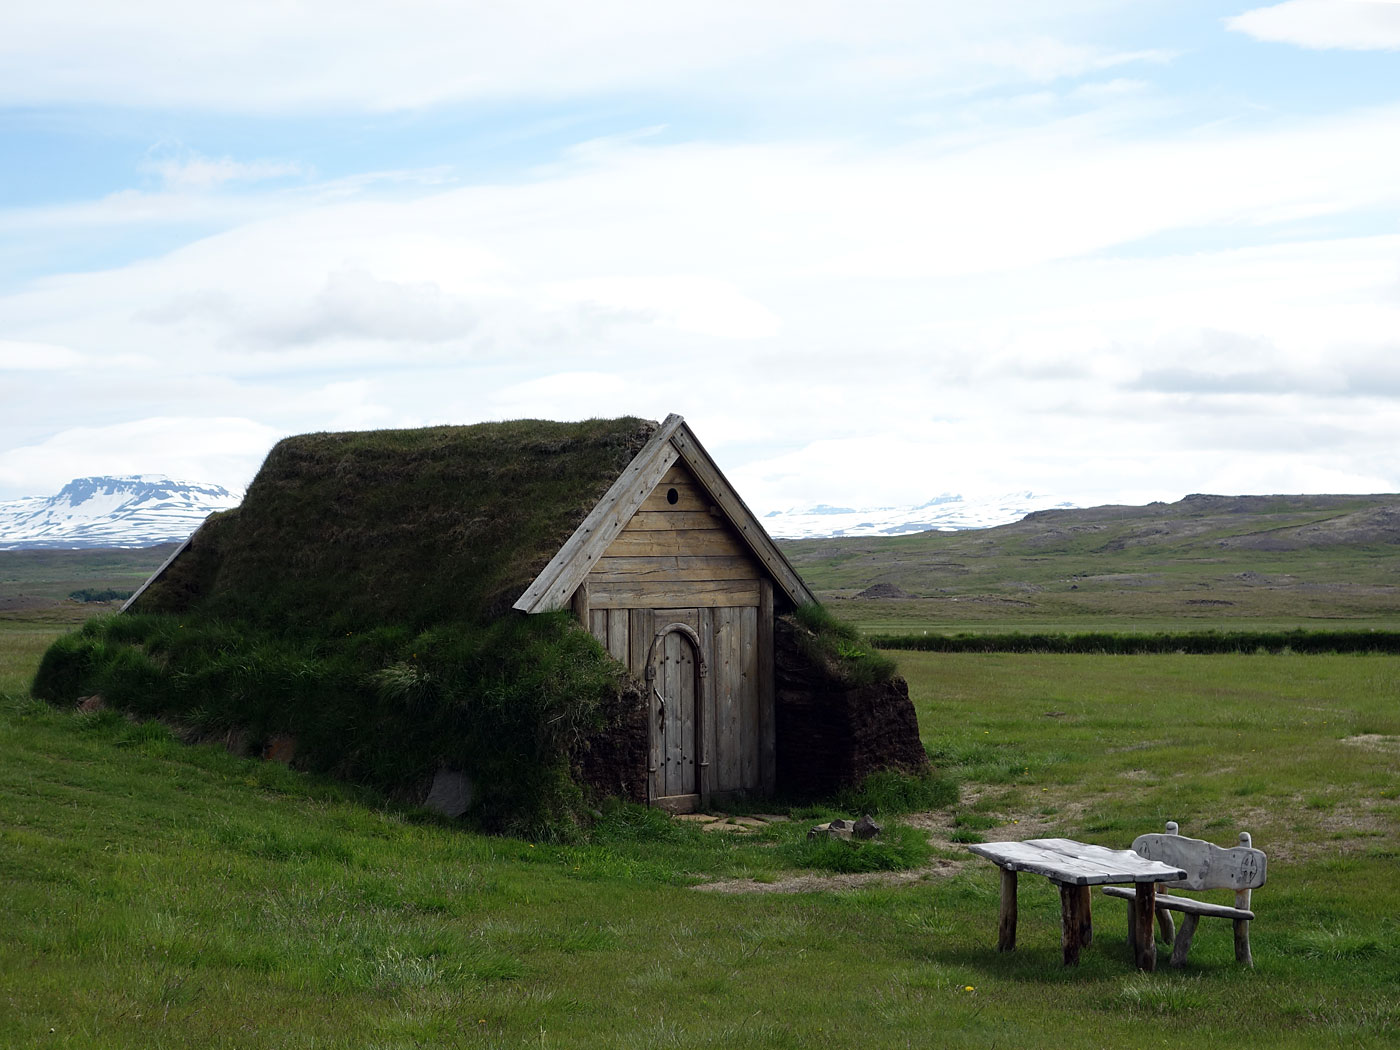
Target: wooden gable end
[(678, 550), (631, 506)]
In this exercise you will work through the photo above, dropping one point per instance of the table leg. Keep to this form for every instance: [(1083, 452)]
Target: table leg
[(1071, 922), (1144, 912), (1086, 917), (1006, 927)]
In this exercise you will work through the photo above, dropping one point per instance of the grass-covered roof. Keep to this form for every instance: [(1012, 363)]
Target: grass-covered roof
[(406, 526)]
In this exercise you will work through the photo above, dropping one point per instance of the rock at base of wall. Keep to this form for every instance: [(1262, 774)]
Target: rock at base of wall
[(831, 734), (451, 794), (280, 748)]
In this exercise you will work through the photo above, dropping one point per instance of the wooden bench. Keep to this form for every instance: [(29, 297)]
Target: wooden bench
[(1208, 867)]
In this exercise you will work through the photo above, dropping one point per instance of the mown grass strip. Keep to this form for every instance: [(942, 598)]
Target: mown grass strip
[(1125, 643)]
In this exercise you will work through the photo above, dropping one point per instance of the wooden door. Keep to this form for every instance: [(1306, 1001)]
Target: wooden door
[(674, 723)]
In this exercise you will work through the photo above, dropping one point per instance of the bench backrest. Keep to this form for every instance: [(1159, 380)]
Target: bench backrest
[(1207, 866)]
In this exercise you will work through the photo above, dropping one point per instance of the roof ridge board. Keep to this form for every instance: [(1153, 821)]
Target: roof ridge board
[(558, 580), (698, 459)]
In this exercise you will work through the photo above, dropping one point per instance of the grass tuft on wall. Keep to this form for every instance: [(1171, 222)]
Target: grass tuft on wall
[(839, 647)]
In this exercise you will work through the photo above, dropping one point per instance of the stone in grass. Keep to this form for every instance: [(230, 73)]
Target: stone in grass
[(451, 793), (696, 818), (89, 704), (866, 828), (836, 829), (725, 826), (770, 818)]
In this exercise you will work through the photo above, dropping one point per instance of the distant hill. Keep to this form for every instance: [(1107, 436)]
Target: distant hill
[(1259, 557), (135, 510)]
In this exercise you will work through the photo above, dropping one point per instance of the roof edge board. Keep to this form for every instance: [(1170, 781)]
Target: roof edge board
[(755, 535), (555, 584), (159, 572)]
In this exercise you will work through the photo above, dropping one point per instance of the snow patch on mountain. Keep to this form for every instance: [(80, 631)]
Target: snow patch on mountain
[(141, 510), (945, 513), (135, 510)]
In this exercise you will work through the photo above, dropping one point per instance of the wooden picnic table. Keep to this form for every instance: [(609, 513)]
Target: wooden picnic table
[(1074, 867)]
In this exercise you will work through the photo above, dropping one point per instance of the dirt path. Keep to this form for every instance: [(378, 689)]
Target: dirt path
[(811, 882)]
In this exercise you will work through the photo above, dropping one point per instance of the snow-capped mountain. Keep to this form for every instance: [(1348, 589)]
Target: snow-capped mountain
[(944, 513), (136, 510)]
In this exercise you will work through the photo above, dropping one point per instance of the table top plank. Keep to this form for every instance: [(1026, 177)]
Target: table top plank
[(1075, 863)]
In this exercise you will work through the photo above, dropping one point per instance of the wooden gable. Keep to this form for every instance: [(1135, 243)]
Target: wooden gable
[(678, 551), (635, 520)]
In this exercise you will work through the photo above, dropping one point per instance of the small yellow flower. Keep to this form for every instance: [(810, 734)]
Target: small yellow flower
[(968, 988)]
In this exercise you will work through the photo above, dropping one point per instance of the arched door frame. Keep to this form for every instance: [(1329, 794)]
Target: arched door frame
[(703, 786)]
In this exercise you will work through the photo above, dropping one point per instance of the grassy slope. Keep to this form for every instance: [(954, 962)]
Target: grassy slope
[(156, 895), (1197, 563)]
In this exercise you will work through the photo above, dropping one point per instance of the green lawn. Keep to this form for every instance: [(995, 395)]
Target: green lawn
[(158, 895), (34, 578)]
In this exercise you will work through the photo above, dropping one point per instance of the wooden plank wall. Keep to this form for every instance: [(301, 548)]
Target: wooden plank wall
[(736, 732), (675, 555), (682, 563)]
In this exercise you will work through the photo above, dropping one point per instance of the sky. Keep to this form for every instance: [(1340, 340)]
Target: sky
[(874, 252)]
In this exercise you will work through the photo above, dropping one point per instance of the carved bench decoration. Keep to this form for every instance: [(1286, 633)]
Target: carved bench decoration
[(1240, 868)]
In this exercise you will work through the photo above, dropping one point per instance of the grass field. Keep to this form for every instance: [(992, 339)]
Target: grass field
[(158, 895), (1122, 611), (40, 579)]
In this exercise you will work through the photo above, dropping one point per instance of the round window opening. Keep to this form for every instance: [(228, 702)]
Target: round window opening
[(672, 496)]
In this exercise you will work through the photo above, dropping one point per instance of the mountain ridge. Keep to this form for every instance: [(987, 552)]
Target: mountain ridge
[(947, 512), (129, 510)]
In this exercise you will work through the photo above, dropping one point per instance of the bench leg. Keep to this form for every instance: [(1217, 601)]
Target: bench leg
[(1006, 926), (1144, 944), (1183, 940), (1242, 954)]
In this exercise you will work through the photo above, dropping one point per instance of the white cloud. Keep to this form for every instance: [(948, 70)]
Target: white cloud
[(997, 311), (267, 56), (1359, 25), (36, 357), (221, 450), (689, 302), (187, 170), (351, 305)]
